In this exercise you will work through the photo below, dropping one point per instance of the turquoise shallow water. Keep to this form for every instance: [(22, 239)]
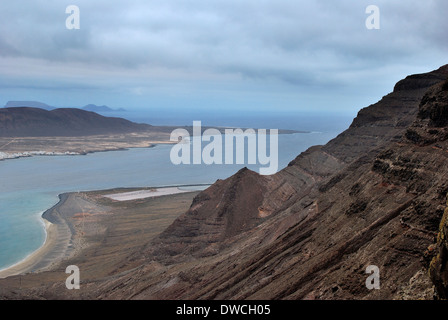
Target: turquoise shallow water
[(29, 186)]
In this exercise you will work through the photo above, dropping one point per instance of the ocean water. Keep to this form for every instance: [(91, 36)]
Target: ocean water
[(29, 186)]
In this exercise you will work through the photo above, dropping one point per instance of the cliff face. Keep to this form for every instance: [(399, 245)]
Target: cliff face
[(241, 202), (434, 113), (438, 268), (372, 196)]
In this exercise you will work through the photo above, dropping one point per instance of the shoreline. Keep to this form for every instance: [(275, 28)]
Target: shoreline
[(58, 231), (28, 154), (10, 269), (46, 255), (58, 244), (12, 155), (26, 265)]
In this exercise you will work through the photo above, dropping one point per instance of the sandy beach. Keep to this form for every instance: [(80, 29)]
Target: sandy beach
[(101, 236), (56, 244), (26, 265), (70, 218)]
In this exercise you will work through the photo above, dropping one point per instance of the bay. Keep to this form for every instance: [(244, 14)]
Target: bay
[(29, 186)]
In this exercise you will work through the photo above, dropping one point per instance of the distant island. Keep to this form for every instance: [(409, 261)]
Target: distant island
[(41, 105), (28, 131), (95, 108), (31, 104)]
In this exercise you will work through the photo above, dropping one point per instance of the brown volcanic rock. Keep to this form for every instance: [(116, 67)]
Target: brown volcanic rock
[(370, 196), (434, 107), (225, 209), (438, 268), (432, 118), (241, 202), (374, 195), (385, 121), (419, 81)]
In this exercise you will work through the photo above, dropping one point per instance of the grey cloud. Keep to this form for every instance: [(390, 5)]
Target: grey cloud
[(301, 43), (188, 32)]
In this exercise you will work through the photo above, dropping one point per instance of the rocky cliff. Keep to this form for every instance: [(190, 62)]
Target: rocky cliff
[(249, 196), (374, 195)]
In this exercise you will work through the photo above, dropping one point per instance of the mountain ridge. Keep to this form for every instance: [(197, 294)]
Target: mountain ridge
[(41, 105), (31, 104), (36, 122)]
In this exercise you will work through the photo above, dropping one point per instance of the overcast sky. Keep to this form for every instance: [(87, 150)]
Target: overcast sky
[(216, 54)]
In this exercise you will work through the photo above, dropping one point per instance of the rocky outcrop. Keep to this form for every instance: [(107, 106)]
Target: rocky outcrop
[(438, 269), (421, 81), (225, 209)]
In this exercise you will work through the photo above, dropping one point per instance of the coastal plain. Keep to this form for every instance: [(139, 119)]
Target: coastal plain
[(16, 147), (99, 235)]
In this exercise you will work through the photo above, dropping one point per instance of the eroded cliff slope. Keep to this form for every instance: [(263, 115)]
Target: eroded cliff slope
[(374, 195)]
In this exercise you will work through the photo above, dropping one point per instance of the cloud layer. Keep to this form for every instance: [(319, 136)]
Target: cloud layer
[(148, 49)]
